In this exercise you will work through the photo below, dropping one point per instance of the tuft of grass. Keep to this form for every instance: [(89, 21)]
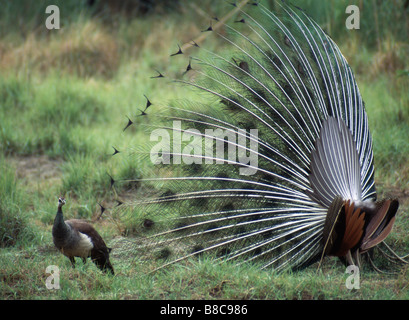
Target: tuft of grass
[(83, 177), (51, 117), (14, 225)]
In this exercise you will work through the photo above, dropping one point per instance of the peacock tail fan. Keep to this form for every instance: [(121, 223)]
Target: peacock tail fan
[(273, 163)]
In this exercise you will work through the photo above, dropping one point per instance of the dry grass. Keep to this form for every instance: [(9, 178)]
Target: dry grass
[(390, 58), (84, 49)]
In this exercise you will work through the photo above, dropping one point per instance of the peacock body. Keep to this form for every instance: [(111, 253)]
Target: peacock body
[(274, 163)]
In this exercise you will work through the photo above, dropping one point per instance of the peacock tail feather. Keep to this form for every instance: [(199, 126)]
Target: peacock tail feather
[(273, 162)]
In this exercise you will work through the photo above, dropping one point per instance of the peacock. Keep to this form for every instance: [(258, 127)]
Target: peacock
[(78, 238), (272, 161)]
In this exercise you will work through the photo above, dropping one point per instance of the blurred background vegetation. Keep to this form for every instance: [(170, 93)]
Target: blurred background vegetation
[(65, 95)]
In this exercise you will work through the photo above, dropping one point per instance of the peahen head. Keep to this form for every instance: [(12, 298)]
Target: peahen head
[(61, 202)]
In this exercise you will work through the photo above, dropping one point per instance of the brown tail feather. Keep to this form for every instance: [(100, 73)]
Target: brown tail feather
[(380, 223), (354, 229), (101, 259)]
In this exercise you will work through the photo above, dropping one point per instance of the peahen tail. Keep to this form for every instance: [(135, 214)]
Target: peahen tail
[(273, 162)]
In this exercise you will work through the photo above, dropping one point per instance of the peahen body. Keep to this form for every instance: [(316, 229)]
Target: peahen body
[(275, 164), (78, 238)]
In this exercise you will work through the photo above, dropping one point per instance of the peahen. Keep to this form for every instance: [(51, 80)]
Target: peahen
[(274, 161), (78, 238)]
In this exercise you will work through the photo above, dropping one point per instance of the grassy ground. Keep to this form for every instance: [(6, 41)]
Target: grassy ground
[(64, 98)]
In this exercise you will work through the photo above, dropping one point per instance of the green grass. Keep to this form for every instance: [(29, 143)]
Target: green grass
[(15, 228), (195, 280), (63, 108), (388, 115)]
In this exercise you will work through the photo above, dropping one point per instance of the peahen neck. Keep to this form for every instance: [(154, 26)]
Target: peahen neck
[(60, 228)]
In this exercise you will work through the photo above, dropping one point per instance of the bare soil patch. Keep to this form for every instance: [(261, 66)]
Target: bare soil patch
[(38, 169)]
